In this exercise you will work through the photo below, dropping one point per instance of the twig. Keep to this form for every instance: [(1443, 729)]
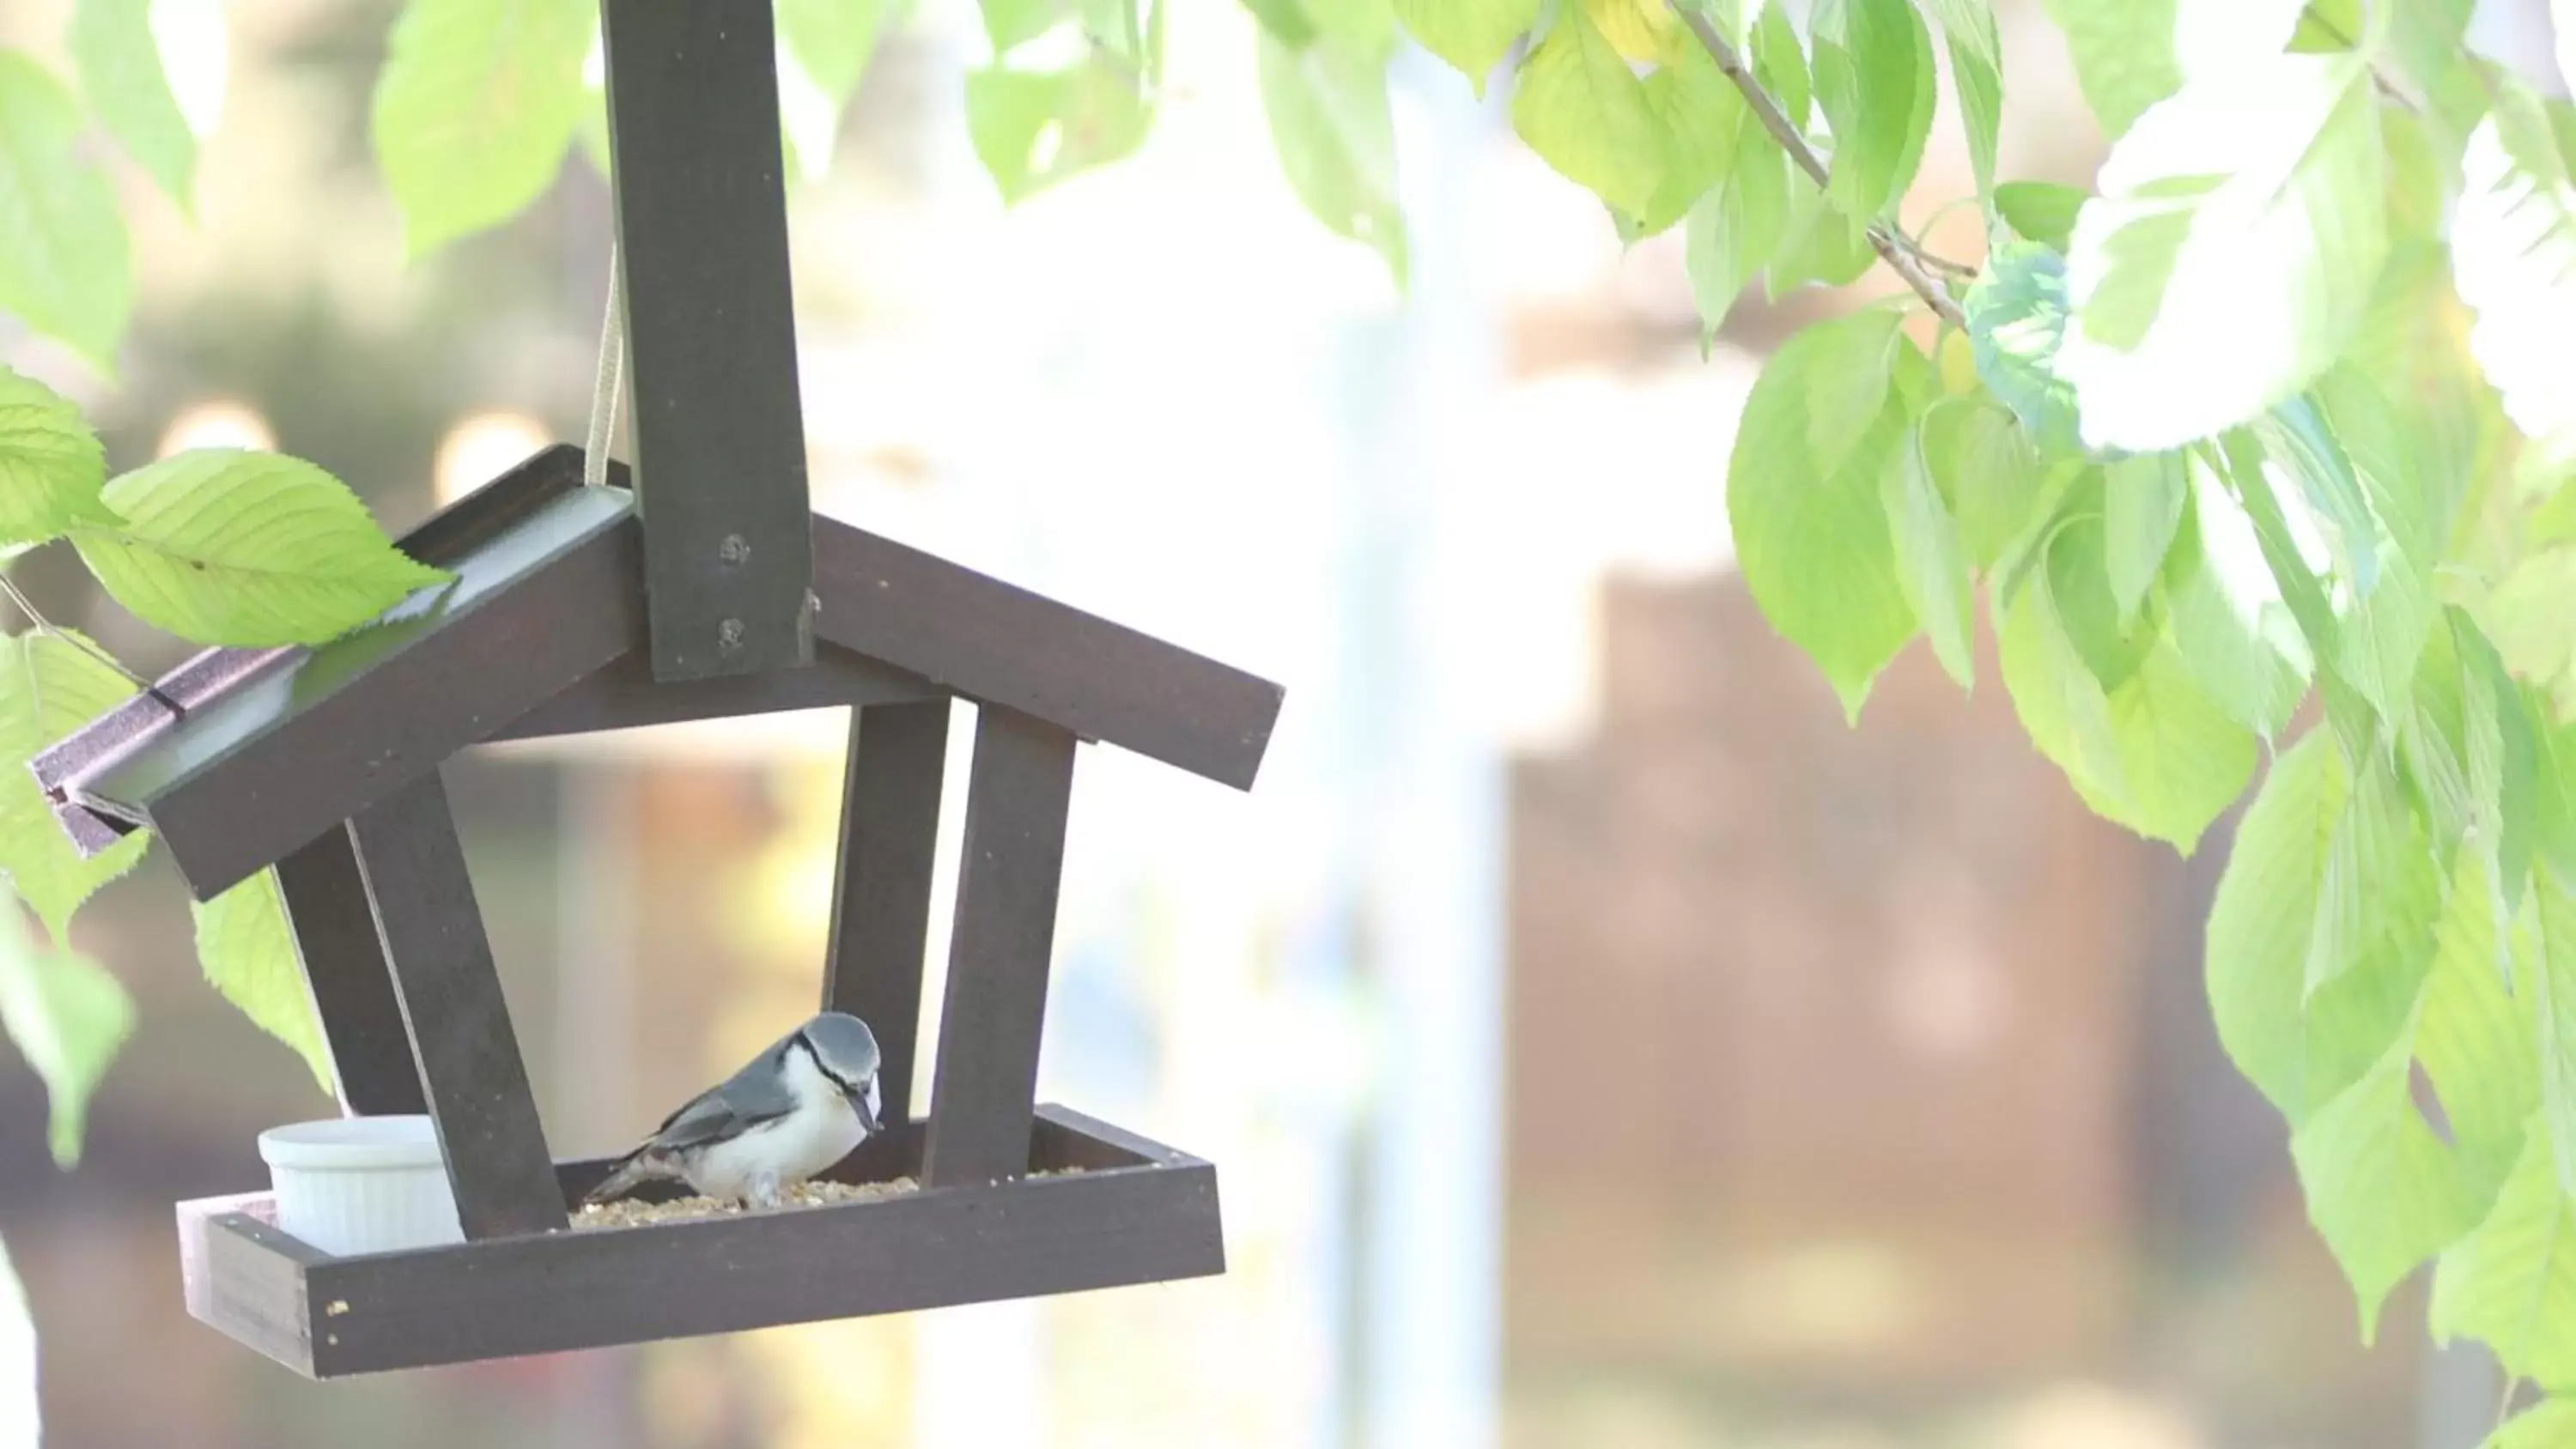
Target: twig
[(43, 625), (1899, 252), (2504, 1410)]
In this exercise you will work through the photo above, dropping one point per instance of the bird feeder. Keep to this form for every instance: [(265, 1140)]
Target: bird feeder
[(708, 589)]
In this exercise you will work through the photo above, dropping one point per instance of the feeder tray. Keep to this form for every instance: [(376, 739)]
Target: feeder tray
[(709, 589)]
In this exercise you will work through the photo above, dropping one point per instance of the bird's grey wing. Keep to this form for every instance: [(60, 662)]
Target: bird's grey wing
[(749, 1099)]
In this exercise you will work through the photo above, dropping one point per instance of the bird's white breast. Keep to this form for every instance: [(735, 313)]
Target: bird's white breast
[(820, 1132)]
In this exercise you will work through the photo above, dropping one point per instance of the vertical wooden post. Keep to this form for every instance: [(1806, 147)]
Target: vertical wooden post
[(698, 168), (344, 968), (983, 1098), (477, 1087), (881, 895)]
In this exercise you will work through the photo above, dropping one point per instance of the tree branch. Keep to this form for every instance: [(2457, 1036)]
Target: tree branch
[(1893, 248)]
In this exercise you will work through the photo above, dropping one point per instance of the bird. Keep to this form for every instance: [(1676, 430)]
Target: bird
[(792, 1112)]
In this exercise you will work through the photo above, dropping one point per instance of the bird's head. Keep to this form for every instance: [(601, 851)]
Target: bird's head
[(845, 1052)]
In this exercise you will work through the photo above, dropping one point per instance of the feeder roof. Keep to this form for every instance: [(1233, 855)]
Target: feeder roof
[(240, 756)]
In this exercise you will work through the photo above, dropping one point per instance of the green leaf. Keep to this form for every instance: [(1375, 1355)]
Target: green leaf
[(2549, 1426), (1980, 84), (1034, 129), (2546, 947), (1336, 139), (2299, 1051), (1735, 228), (1283, 20), (51, 465), (475, 108), (2016, 320), (1984, 464), (1930, 564), (2295, 436), (1821, 244), (1473, 35), (2142, 499), (2381, 1188), (249, 954), (2512, 1283), (2302, 592), (2155, 755), (2379, 892), (2238, 237), (2472, 1037), (1875, 84), (120, 67), (1804, 497), (2229, 627), (833, 40), (2079, 583), (49, 686), (246, 550), (2327, 26), (1780, 63), (2123, 54), (68, 1017), (21, 1423), (1585, 113), (65, 269), (1701, 121), (2040, 211), (1970, 23)]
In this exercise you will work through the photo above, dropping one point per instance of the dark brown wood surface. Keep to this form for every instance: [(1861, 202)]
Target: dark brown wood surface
[(984, 1089), (711, 329), (1141, 1217), (881, 888), (353, 991), (624, 695), (461, 1040), (267, 766), (1000, 644)]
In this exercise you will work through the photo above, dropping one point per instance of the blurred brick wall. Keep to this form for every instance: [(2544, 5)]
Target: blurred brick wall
[(1822, 1039)]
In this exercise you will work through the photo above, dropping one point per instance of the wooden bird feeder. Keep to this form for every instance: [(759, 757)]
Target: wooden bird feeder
[(709, 590)]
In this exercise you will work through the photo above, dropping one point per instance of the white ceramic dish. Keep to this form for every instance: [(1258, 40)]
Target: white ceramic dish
[(354, 1185)]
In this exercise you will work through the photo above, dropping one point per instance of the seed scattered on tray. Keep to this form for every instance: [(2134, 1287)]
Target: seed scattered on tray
[(628, 1213)]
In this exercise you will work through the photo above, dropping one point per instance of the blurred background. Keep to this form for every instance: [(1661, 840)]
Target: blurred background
[(1600, 1044)]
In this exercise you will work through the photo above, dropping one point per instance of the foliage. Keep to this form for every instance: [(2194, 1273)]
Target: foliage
[(2257, 450)]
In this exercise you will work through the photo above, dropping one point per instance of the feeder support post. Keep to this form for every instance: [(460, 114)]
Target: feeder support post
[(983, 1088), (698, 168)]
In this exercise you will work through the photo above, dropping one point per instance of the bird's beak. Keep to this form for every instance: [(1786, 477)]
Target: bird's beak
[(867, 1115)]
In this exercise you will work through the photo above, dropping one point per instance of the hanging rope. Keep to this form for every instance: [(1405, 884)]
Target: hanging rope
[(611, 384)]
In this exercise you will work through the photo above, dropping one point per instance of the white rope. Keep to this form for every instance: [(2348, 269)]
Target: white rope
[(611, 384)]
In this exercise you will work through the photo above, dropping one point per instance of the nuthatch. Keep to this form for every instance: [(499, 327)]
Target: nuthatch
[(797, 1109)]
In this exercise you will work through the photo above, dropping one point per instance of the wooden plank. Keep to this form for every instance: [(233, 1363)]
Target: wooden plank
[(1000, 644), (881, 888), (452, 1008), (266, 766), (710, 322), (983, 1096), (923, 1250), (624, 695), (1103, 1228), (1069, 1139), (255, 1284), (344, 966)]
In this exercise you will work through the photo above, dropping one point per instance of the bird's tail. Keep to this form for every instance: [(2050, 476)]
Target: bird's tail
[(636, 1168)]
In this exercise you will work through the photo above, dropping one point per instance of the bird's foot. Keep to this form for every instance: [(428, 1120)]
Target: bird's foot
[(764, 1192)]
